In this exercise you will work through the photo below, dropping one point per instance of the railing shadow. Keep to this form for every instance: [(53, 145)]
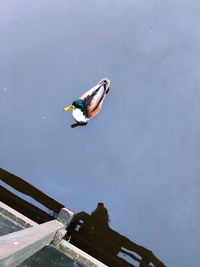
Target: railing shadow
[(51, 206), (92, 234)]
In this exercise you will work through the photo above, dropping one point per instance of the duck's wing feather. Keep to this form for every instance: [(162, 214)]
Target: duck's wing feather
[(94, 99), (92, 113)]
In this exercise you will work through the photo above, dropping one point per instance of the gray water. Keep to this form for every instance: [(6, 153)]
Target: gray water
[(49, 257), (8, 226), (140, 156)]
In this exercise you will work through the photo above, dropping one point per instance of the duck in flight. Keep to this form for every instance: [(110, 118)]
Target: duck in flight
[(88, 105)]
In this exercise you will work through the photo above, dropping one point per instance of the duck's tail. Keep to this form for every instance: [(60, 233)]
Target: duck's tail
[(106, 83), (107, 90)]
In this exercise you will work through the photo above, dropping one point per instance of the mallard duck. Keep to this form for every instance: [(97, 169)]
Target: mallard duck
[(88, 105)]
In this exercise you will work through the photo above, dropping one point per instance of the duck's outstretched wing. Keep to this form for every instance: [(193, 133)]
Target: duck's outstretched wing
[(94, 99)]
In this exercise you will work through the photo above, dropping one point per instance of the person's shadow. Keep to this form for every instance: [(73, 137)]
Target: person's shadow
[(92, 234)]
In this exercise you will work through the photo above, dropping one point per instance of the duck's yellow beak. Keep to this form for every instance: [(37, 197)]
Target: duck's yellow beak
[(69, 108)]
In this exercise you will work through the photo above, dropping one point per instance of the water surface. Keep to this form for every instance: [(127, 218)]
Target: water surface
[(140, 156), (49, 257), (7, 226)]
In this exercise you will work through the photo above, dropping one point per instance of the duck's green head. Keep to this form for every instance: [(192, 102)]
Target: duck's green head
[(79, 103)]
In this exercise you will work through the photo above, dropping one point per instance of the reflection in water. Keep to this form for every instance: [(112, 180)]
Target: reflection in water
[(93, 234), (18, 203)]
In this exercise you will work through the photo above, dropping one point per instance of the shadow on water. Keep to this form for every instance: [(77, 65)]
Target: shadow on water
[(13, 191), (92, 234), (78, 124)]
